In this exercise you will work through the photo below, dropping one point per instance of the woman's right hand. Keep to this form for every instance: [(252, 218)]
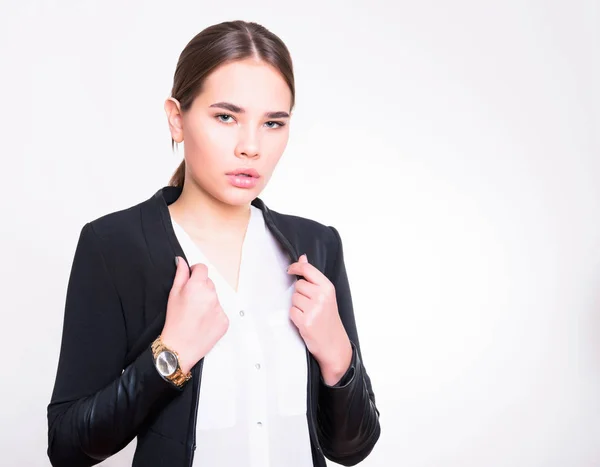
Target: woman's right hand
[(195, 320)]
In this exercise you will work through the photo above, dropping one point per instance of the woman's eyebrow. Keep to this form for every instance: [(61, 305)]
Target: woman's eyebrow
[(236, 109)]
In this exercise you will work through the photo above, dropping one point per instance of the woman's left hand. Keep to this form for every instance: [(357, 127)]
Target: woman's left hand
[(315, 313)]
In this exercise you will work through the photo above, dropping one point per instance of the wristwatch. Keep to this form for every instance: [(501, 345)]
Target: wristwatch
[(166, 362)]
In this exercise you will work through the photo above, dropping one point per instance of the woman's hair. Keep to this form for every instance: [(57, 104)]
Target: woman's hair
[(214, 46)]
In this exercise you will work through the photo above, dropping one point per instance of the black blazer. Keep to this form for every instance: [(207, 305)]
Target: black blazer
[(107, 390)]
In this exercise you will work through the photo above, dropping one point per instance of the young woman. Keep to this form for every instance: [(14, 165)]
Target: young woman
[(215, 330)]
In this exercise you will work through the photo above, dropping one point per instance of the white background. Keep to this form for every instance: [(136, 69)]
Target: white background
[(453, 144)]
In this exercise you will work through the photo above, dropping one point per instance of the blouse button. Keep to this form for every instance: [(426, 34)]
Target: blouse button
[(242, 313)]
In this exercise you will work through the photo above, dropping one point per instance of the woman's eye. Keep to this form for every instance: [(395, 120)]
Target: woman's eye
[(224, 116), (279, 124)]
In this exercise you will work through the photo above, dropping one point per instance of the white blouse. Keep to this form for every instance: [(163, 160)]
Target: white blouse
[(253, 391)]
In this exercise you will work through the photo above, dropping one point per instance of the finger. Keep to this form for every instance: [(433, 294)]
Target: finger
[(181, 274), (210, 284), (296, 316), (199, 271), (303, 258), (306, 288), (301, 302), (308, 271)]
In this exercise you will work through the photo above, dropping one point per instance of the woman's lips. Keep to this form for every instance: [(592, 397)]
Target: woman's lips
[(242, 181)]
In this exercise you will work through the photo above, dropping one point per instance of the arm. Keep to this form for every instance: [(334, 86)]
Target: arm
[(97, 407), (348, 420)]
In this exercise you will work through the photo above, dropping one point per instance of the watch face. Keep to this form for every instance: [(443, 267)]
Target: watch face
[(166, 362)]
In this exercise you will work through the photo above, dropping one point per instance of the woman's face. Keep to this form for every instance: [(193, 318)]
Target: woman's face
[(240, 120)]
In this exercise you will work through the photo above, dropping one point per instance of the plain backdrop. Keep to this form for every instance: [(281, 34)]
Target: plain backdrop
[(453, 144)]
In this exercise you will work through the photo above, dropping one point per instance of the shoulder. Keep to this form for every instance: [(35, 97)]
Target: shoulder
[(117, 223), (305, 226), (119, 230), (128, 251)]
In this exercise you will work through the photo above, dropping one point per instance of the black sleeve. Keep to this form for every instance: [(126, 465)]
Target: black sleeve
[(97, 406), (348, 420)]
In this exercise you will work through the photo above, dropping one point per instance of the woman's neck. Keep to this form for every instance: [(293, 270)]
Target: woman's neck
[(207, 217)]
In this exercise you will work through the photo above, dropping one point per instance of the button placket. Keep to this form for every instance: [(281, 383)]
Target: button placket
[(253, 360)]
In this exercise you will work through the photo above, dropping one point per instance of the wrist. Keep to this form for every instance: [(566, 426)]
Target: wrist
[(336, 367), (168, 363), (185, 362), (185, 366)]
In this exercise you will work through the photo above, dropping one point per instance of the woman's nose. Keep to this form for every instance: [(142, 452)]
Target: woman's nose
[(248, 143)]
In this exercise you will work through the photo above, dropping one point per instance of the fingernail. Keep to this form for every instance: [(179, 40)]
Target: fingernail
[(176, 261)]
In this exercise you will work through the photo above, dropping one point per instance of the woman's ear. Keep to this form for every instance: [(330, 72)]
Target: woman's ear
[(174, 118)]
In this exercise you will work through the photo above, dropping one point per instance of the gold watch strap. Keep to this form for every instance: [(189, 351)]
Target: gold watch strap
[(178, 378)]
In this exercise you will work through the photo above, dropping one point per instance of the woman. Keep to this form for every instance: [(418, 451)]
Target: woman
[(183, 327)]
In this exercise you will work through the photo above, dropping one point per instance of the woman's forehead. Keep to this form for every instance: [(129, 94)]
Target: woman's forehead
[(253, 86)]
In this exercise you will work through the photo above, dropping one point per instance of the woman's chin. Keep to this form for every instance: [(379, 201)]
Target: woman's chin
[(240, 196)]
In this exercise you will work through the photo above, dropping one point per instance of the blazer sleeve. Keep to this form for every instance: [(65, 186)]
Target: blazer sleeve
[(348, 419), (97, 406)]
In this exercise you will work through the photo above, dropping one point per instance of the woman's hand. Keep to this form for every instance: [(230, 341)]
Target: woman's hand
[(195, 320), (315, 313)]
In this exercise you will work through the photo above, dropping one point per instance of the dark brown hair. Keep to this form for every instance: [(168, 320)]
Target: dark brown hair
[(214, 46)]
